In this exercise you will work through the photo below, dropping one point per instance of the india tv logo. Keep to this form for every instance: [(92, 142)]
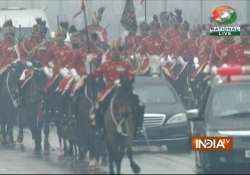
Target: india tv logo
[(224, 17)]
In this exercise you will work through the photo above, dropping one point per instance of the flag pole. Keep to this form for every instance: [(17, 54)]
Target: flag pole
[(201, 7), (145, 10), (86, 24)]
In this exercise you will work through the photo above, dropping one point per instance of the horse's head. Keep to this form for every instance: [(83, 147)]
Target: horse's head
[(11, 81), (33, 85)]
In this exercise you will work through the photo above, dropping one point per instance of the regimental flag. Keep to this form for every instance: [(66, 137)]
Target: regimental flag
[(128, 19)]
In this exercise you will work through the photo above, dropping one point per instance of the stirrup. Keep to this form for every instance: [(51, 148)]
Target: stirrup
[(119, 129), (97, 105)]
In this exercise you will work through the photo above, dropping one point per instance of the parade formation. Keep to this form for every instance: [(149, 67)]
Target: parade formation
[(46, 80)]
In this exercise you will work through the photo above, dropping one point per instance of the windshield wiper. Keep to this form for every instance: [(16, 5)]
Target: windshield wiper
[(238, 114)]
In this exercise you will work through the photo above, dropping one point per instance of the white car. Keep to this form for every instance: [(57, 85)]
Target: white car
[(23, 19)]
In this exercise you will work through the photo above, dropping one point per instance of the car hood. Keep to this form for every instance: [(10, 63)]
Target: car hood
[(169, 109), (238, 123)]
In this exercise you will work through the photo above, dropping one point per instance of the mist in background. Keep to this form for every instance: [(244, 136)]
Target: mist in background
[(194, 11)]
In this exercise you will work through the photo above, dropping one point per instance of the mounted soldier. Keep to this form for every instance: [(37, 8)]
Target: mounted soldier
[(9, 52), (154, 47), (57, 58), (112, 71)]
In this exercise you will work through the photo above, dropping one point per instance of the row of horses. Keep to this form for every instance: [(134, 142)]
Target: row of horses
[(27, 104)]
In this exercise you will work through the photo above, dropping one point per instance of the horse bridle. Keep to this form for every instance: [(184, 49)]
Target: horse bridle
[(13, 100)]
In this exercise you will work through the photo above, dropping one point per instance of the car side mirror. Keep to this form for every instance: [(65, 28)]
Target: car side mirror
[(193, 114)]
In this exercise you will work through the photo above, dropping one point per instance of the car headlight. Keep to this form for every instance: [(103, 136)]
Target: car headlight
[(178, 118)]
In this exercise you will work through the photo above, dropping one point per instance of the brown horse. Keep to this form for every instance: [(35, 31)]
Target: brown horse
[(120, 126)]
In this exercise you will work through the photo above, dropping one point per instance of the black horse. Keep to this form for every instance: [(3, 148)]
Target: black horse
[(9, 99), (32, 104), (120, 122), (66, 122), (52, 108), (88, 139)]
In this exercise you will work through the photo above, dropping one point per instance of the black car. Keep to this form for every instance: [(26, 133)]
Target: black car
[(165, 121), (225, 112)]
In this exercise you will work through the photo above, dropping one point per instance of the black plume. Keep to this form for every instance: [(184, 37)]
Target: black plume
[(72, 29), (43, 23), (8, 23), (101, 10), (39, 21), (178, 11), (155, 18), (64, 25)]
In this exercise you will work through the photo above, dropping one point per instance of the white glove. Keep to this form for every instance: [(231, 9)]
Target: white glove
[(74, 74), (163, 61), (196, 60), (214, 69), (180, 59), (17, 60), (104, 58), (48, 72), (64, 72), (206, 69), (29, 64), (51, 64), (117, 82)]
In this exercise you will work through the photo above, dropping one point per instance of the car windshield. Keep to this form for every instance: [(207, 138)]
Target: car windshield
[(155, 94), (231, 100)]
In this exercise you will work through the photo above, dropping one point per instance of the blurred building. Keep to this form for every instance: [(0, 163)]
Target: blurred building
[(195, 11)]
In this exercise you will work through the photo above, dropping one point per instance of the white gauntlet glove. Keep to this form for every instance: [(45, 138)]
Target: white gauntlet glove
[(64, 72)]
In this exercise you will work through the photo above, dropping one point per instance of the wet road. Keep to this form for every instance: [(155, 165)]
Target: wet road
[(152, 160), (23, 161)]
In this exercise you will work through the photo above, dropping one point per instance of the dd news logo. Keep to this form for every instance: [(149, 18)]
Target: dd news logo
[(212, 143)]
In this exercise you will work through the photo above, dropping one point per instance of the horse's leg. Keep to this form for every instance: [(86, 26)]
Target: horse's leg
[(20, 129), (71, 148), (65, 147), (10, 127), (38, 138), (136, 169), (111, 161), (118, 159), (3, 132), (46, 133)]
